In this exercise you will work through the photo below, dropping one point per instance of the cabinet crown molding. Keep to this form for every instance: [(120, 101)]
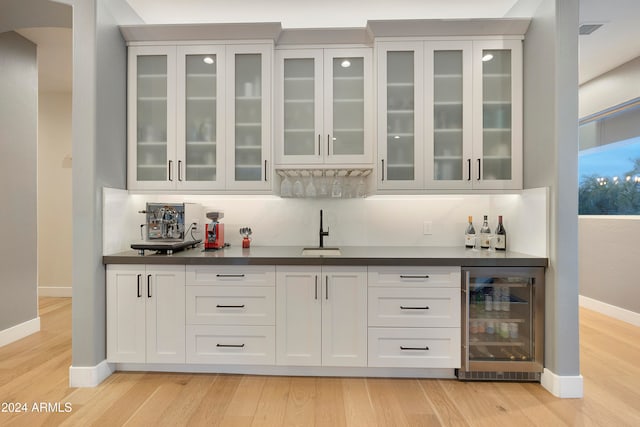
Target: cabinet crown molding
[(449, 27), (192, 32)]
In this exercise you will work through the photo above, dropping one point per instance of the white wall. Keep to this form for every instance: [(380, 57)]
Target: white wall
[(380, 220), (613, 88), (54, 194), (608, 248), (609, 254)]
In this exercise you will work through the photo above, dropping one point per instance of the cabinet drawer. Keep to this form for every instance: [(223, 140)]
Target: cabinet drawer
[(231, 305), (415, 276), (250, 275), (414, 347), (414, 307), (235, 345)]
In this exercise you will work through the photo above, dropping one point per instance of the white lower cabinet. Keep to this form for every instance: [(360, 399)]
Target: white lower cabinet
[(145, 314), (414, 317), (230, 315), (321, 316)]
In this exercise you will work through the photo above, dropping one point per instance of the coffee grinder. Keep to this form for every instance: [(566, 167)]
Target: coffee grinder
[(214, 232)]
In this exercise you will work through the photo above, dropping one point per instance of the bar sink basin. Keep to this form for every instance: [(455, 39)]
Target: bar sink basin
[(321, 252)]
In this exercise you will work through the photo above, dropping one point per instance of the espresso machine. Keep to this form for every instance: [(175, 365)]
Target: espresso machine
[(169, 227), (214, 231)]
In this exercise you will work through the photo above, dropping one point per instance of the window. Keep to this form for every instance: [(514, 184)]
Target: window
[(609, 163)]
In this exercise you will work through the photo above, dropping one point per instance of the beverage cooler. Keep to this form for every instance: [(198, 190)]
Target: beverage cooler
[(503, 323)]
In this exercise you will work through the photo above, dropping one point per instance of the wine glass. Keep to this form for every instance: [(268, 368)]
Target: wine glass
[(336, 187), (311, 188), (323, 191), (298, 188), (286, 188)]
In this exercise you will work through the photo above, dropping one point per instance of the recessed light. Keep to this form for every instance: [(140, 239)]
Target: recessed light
[(346, 63), (208, 60)]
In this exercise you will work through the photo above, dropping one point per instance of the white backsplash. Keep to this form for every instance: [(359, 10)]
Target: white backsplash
[(377, 220)]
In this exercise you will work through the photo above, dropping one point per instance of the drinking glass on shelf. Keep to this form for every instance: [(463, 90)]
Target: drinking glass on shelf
[(361, 189)]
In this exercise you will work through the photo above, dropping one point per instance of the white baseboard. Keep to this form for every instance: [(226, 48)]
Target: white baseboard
[(89, 376), (20, 331), (610, 310), (565, 386), (54, 291)]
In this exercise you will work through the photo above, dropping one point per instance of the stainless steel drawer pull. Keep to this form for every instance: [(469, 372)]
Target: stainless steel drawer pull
[(229, 275), (404, 307), (229, 306), (230, 345), (425, 348), (406, 276), (139, 294)]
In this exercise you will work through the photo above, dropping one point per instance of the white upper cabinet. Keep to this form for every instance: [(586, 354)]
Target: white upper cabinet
[(152, 118), (449, 114), (324, 106), (200, 117), (201, 127), (497, 114), (249, 117), (400, 107)]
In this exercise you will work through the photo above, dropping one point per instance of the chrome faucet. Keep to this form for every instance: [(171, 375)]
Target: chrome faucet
[(322, 233)]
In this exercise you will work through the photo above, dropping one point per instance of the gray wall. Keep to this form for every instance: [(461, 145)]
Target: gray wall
[(99, 159), (18, 162), (18, 14), (609, 247), (551, 153)]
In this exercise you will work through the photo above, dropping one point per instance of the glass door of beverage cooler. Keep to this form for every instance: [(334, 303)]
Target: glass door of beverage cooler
[(503, 326)]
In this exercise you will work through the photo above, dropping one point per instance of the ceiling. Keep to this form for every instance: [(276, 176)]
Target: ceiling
[(610, 46)]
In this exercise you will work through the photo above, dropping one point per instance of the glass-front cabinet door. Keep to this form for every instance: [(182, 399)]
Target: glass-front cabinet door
[(348, 105), (448, 113), (503, 319), (324, 106), (400, 129), (151, 116), (299, 129), (249, 117), (200, 109), (497, 147)]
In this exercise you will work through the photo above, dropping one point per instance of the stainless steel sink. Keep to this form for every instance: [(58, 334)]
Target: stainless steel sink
[(321, 252)]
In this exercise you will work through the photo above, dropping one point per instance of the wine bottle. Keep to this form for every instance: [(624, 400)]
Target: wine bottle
[(485, 231), (501, 236), (470, 234)]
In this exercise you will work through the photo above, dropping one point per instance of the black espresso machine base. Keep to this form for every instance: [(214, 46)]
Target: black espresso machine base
[(164, 247)]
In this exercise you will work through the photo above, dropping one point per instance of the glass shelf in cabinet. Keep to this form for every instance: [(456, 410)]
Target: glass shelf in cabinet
[(201, 75), (152, 98), (401, 136), (200, 166), (151, 166), (349, 78), (299, 79), (447, 76), (299, 101), (202, 144), (248, 98), (400, 84), (248, 124), (152, 76), (201, 98), (348, 100), (496, 75)]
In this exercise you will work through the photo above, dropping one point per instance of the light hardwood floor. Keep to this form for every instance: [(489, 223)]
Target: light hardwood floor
[(35, 370)]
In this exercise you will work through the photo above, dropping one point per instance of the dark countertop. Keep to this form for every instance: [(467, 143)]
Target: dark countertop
[(351, 255)]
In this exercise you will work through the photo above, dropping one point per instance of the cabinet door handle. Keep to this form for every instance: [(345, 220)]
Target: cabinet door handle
[(425, 348), (469, 168), (316, 286), (326, 287), (229, 306), (139, 292), (382, 169), (179, 170), (404, 307), (479, 173), (229, 275), (230, 345), (148, 286), (409, 276), (170, 167), (265, 171), (319, 144), (328, 144)]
